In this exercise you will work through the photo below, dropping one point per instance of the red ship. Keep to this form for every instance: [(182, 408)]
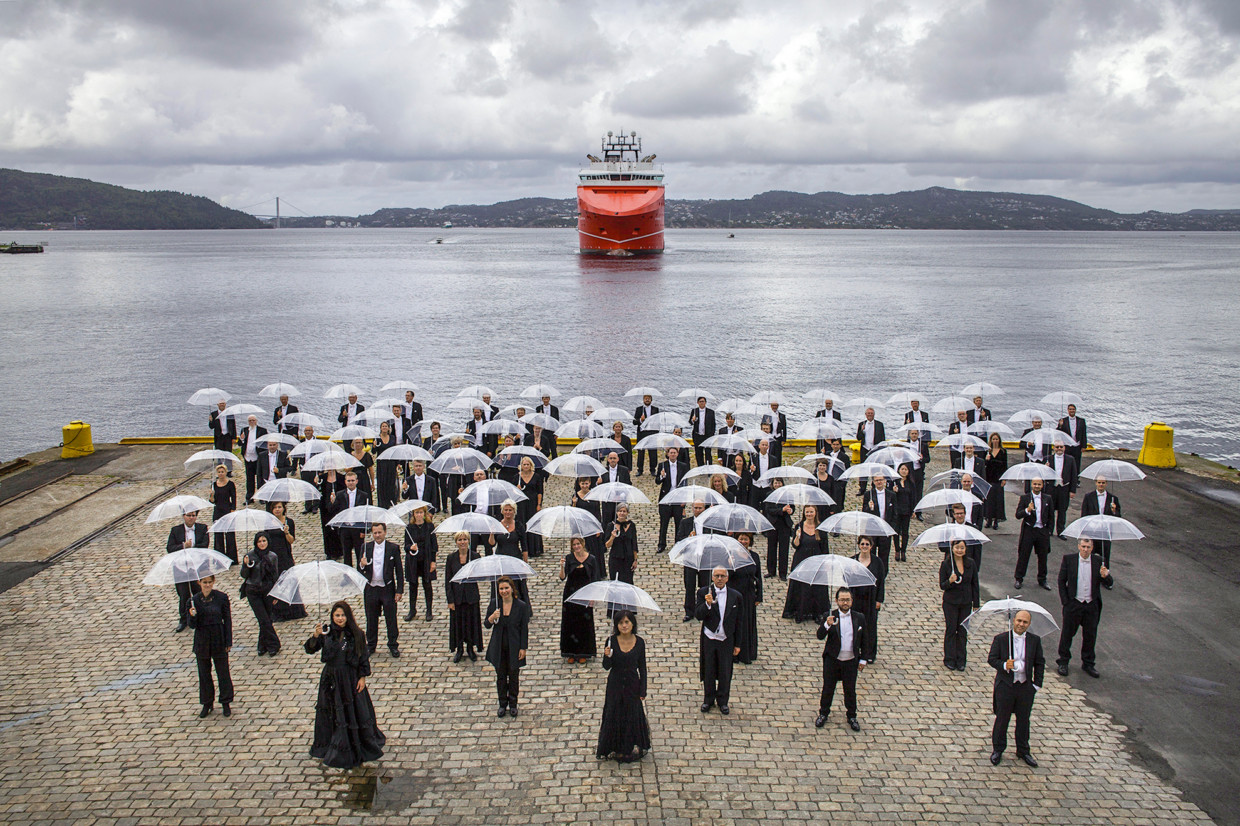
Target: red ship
[(620, 200)]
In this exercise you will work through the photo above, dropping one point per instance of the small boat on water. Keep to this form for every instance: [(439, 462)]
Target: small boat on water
[(13, 248)]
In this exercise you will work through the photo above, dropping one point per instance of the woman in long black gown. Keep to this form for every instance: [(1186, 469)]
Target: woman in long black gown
[(210, 615), (804, 601), (281, 540), (329, 482), (464, 612), (594, 544), (514, 544), (957, 579), (578, 569), (868, 599), (996, 464), (224, 497), (777, 540), (509, 619), (748, 580), (742, 488), (387, 489), (530, 482), (421, 549), (621, 542), (345, 731), (365, 473), (625, 732)]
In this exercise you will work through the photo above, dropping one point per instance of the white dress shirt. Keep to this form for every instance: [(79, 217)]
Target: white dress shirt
[(419, 484), (1057, 463), (1037, 510), (1018, 658), (251, 450), (847, 650), (1102, 503), (721, 599), (880, 502), (376, 561), (1084, 579), (869, 435)]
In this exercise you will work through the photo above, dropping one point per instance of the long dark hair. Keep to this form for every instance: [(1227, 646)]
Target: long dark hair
[(615, 621), (350, 624)]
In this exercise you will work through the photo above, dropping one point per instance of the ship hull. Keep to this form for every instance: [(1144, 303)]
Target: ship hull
[(613, 220)]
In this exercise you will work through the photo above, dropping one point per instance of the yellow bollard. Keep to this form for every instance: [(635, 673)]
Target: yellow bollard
[(856, 453), (1156, 450), (76, 440)]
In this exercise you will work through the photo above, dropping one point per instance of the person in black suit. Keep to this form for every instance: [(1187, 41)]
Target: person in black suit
[(1081, 577), (1063, 492), (413, 410), (882, 503), (1036, 511), (1019, 666), (624, 445), (958, 427), (779, 425), (870, 432), (719, 609), (842, 462), (1075, 427), (921, 447), (1036, 449), (829, 413), (189, 534), (729, 427), (978, 413), (1100, 502), (351, 539), (669, 474), (280, 412), (693, 578), (613, 471), (421, 485), (400, 425), (223, 428), (251, 454), (549, 409), (349, 410), (510, 637), (273, 464), (842, 658), (210, 614), (973, 548), (915, 413), (904, 490), (260, 569), (488, 443), (702, 423), (957, 581), (385, 585), (645, 411)]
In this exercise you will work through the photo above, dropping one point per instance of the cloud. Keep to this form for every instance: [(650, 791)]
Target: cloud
[(482, 20), (713, 84)]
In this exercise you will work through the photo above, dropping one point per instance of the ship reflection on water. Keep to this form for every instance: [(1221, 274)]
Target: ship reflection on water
[(613, 268)]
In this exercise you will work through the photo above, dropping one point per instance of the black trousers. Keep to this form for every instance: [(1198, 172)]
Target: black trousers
[(717, 668), (882, 546), (974, 552), (646, 455), (1061, 500), (1017, 699), (417, 572), (955, 637), (352, 540), (1032, 541), (901, 526), (620, 570), (268, 640), (835, 671), (251, 480), (206, 687), (1103, 546), (1085, 616), (701, 455), (226, 544), (777, 545), (668, 514), (377, 600), (694, 579), (507, 683), (184, 590)]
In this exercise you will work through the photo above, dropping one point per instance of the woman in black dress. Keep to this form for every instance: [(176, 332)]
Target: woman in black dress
[(530, 482), (624, 733), (260, 569), (956, 579), (594, 544), (421, 549), (464, 612), (514, 544), (578, 569), (742, 488), (345, 731), (365, 473), (823, 481), (903, 492), (719, 484), (621, 544), (777, 540), (510, 637), (624, 445), (224, 496), (330, 482), (868, 599), (211, 618), (386, 486), (281, 540), (748, 580), (804, 601), (996, 464)]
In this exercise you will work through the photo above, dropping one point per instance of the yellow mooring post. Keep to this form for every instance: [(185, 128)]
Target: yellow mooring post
[(76, 440), (1156, 450)]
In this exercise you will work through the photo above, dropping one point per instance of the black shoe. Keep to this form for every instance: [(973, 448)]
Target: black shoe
[(723, 709), (395, 652), (1044, 586), (205, 711), (687, 618), (853, 724), (181, 626), (227, 710), (960, 667), (512, 712), (503, 711), (410, 615), (429, 616), (705, 707), (456, 658), (262, 651), (995, 757), (1018, 582), (1029, 761), (271, 652), (1063, 669), (1091, 671), (1108, 587), (370, 651), (1064, 538), (473, 656), (820, 720)]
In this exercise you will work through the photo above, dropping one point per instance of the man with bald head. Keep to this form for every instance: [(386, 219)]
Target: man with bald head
[(613, 471), (1019, 664), (719, 609)]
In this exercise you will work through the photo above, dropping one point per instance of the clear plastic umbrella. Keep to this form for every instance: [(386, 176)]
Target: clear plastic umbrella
[(924, 428), (342, 391), (946, 498), (1113, 470), (819, 428), (275, 391), (799, 495), (399, 386), (405, 453), (893, 455), (462, 461), (287, 490), (729, 443), (995, 616), (578, 404), (581, 429), (318, 583), (408, 506), (868, 470), (612, 414), (564, 521), (739, 407), (856, 523), (618, 492), (638, 392), (1025, 417), (512, 456), (491, 568), (245, 520), (661, 441), (1104, 527), (388, 402), (313, 447), (207, 459), (284, 440), (477, 391), (616, 595), (667, 421), (985, 427), (832, 571), (783, 472), (1050, 436), (363, 516), (186, 565), (822, 394), (952, 405), (690, 494), (952, 479), (598, 445), (981, 388), (209, 397), (467, 403), (768, 397), (905, 398), (950, 532), (574, 464), (957, 441), (241, 410), (489, 492), (471, 523), (372, 418), (734, 518), (503, 427), (537, 391), (1061, 399), (177, 506), (1027, 471), (354, 431), (696, 393), (540, 420), (300, 419), (707, 472), (862, 402), (705, 552)]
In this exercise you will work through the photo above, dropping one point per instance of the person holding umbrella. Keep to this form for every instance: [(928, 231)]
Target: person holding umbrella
[(621, 543), (530, 482), (386, 485), (957, 580), (189, 534), (624, 732), (842, 658), (748, 581), (385, 586), (719, 609), (1081, 577), (211, 618), (996, 463), (780, 515), (464, 615), (702, 420), (904, 493), (223, 428), (514, 543), (510, 637), (645, 411), (259, 569), (1063, 491), (223, 496), (346, 733), (1075, 427), (578, 569), (803, 601), (1036, 512), (1101, 502), (1019, 665), (669, 475), (281, 541), (421, 548)]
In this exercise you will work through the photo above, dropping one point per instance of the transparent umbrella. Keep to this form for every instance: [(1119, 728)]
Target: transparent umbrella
[(275, 391), (354, 431), (952, 405), (923, 428), (313, 447), (477, 391), (618, 492), (471, 523), (893, 455), (862, 402), (707, 472), (616, 595), (405, 453), (833, 571), (1104, 527), (462, 461), (284, 440), (574, 464), (540, 420), (512, 456), (952, 479), (957, 441), (342, 391), (905, 398), (399, 386), (579, 404), (868, 470), (667, 421), (318, 583), (408, 506), (1027, 471), (186, 565), (705, 552), (856, 523), (241, 410), (598, 446), (1025, 417), (945, 499), (245, 520), (1061, 399), (177, 506), (207, 459), (287, 490), (823, 394), (734, 518), (661, 441), (985, 427), (729, 443), (950, 532), (981, 388), (564, 521), (363, 516), (467, 403), (537, 391), (696, 393), (1050, 436), (819, 428), (209, 397), (300, 419), (372, 418), (799, 495), (995, 616), (503, 427), (768, 397), (690, 494), (1113, 470), (581, 429), (739, 407), (612, 414), (638, 392), (785, 472), (491, 568), (489, 492)]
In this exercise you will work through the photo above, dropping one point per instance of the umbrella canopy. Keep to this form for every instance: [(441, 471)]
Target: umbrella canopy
[(783, 472), (734, 518), (243, 409), (1050, 436), (616, 595), (388, 402), (946, 498), (537, 391), (920, 427), (862, 402), (540, 420), (177, 506), (822, 394), (186, 565), (245, 520), (1027, 471), (709, 471), (564, 521), (579, 404), (408, 506), (313, 447), (705, 552), (739, 407), (491, 568), (467, 403), (477, 391), (599, 445), (512, 456), (905, 398), (1102, 526), (207, 459), (995, 616), (950, 532), (1025, 417), (893, 455), (318, 583), (833, 571), (661, 441), (490, 492), (611, 414), (799, 495), (819, 428), (868, 470), (638, 392), (696, 393), (363, 516), (342, 391), (325, 460), (574, 464), (1061, 399), (399, 386), (856, 523), (284, 440), (581, 429), (275, 391), (300, 419), (618, 492), (952, 479), (1113, 470), (957, 441), (405, 453), (471, 523), (985, 427), (372, 418), (667, 421), (981, 388), (287, 490), (354, 431), (729, 443), (462, 461), (694, 493), (209, 397), (768, 397), (953, 405), (503, 427)]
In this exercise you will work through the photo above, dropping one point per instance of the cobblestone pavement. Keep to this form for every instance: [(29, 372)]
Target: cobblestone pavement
[(99, 719)]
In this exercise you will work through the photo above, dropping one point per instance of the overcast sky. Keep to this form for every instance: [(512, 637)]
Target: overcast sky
[(349, 106)]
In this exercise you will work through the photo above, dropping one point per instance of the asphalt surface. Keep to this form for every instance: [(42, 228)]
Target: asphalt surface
[(1169, 637)]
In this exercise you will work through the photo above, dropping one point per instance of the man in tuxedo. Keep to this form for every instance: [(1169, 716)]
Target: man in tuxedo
[(1036, 449), (842, 658), (413, 410), (280, 412), (419, 485), (351, 538), (350, 409), (488, 443), (693, 578), (250, 453), (730, 427), (869, 433), (1036, 510), (645, 411), (491, 410), (1101, 502), (549, 409), (915, 413), (613, 471), (223, 428), (779, 424), (702, 423), (719, 609), (882, 503), (401, 426), (829, 413), (763, 461), (961, 425), (843, 461), (972, 461), (189, 534), (310, 505), (1081, 577), (978, 413), (669, 475), (385, 585), (1074, 426), (273, 464), (1019, 668), (1063, 491)]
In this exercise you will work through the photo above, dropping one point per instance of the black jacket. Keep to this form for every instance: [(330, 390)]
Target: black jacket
[(176, 537), (1068, 570), (393, 570), (832, 635), (959, 592), (259, 573), (516, 627), (708, 615), (1000, 653)]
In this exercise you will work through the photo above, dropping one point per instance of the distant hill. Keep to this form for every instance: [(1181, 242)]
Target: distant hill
[(34, 201), (934, 208)]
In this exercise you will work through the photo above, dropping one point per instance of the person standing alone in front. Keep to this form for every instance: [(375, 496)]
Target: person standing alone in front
[(1081, 577), (841, 658), (1019, 665), (719, 609)]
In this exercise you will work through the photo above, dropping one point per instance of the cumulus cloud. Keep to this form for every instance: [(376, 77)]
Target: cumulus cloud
[(712, 84)]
